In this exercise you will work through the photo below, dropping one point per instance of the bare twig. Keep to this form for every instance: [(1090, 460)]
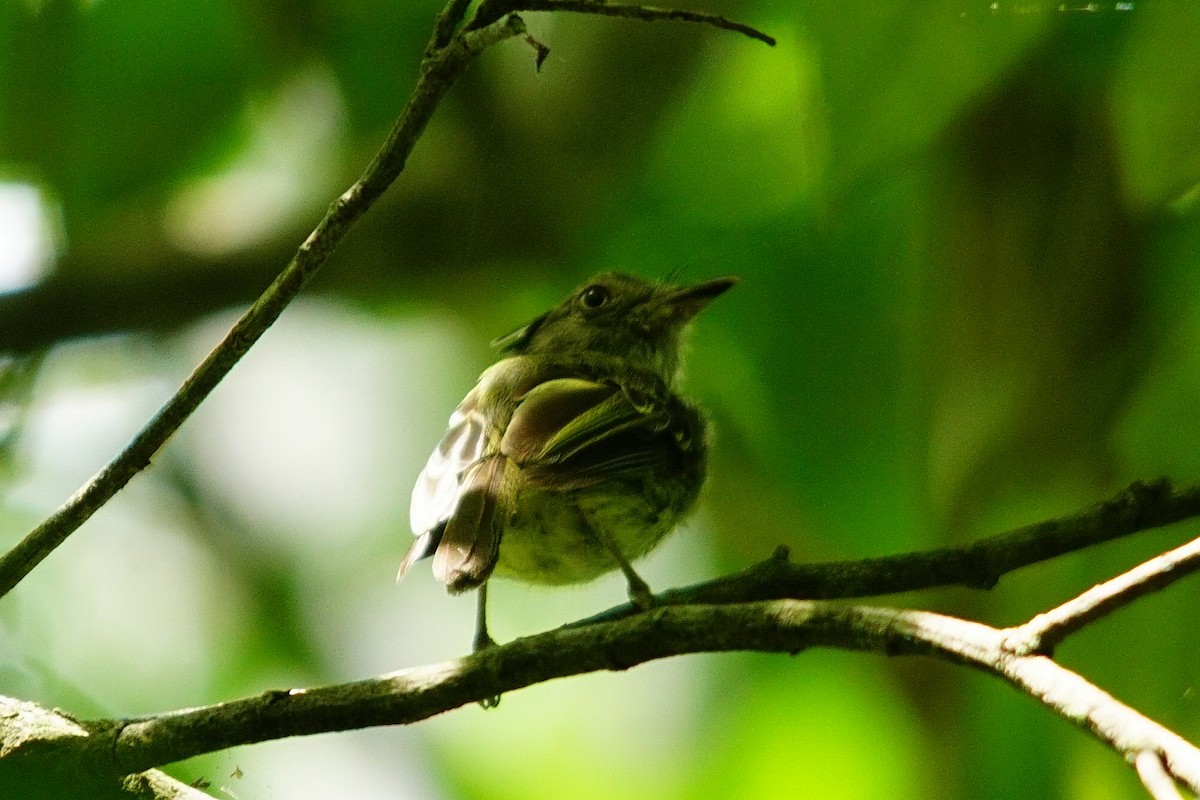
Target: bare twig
[(491, 10), (446, 23), (439, 71), (1045, 631)]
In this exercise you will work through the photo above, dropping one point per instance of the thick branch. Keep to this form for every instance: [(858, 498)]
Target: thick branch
[(29, 727), (439, 71), (774, 626)]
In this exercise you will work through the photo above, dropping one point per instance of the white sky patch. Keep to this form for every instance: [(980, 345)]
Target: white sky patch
[(26, 236)]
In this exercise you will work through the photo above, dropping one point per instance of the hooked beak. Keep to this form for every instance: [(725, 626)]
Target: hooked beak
[(691, 300)]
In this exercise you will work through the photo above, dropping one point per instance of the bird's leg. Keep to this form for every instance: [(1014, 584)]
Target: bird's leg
[(639, 591), (483, 639)]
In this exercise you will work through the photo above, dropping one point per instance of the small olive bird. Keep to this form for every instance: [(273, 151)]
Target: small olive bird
[(574, 455)]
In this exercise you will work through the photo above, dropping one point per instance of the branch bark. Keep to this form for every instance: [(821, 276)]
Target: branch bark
[(30, 729), (1045, 631)]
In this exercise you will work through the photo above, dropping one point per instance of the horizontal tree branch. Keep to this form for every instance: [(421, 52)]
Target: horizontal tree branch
[(787, 626), (979, 565), (781, 625)]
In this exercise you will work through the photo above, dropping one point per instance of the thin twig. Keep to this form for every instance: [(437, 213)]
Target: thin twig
[(439, 71), (491, 10), (1045, 631), (1154, 776), (643, 13), (445, 24)]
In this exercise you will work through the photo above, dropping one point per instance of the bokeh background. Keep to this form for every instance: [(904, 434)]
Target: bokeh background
[(969, 240)]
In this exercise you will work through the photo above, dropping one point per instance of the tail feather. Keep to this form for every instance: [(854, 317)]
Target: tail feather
[(423, 547), (470, 542)]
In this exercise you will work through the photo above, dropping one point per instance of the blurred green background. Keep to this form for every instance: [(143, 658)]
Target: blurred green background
[(968, 236)]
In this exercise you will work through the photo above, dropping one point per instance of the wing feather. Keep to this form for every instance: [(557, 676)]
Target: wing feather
[(569, 433), (436, 493), (470, 542), (560, 417)]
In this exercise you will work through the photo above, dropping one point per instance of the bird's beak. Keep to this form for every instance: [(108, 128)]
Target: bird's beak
[(691, 300)]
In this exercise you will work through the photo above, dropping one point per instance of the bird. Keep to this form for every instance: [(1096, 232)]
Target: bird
[(573, 455)]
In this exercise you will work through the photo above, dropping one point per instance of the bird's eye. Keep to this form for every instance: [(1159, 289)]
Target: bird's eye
[(594, 296)]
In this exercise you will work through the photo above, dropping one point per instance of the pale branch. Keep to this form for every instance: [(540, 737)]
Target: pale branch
[(440, 69), (1045, 631), (492, 9), (786, 626), (1154, 776), (979, 565)]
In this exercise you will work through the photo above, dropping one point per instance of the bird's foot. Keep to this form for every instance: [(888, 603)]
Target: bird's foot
[(640, 594)]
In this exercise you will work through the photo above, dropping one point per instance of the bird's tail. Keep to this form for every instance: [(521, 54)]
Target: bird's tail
[(423, 547), (470, 540)]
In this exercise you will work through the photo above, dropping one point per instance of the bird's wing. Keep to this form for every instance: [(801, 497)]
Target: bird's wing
[(572, 432), (470, 540), (436, 493), (466, 493)]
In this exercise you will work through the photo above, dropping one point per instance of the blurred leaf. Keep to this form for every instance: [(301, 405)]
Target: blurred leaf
[(1155, 108), (119, 97), (375, 47), (749, 137), (896, 72), (825, 726)]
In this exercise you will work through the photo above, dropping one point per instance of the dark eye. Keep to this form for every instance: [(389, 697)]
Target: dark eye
[(594, 296)]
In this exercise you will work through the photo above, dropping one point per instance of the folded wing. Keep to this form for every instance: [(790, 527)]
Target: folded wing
[(565, 433)]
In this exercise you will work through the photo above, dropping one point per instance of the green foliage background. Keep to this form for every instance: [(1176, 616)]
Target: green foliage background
[(967, 234)]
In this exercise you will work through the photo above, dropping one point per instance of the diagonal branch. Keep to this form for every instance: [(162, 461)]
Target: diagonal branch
[(1154, 776), (445, 60), (439, 71), (1045, 631)]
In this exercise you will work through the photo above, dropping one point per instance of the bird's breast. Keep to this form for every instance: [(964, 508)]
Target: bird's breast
[(552, 539)]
